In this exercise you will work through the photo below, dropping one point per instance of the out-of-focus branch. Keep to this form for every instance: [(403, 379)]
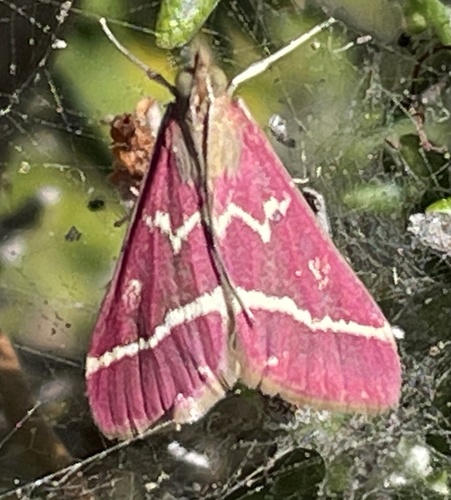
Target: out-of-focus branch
[(29, 439)]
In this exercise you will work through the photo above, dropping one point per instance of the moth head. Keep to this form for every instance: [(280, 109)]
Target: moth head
[(200, 76)]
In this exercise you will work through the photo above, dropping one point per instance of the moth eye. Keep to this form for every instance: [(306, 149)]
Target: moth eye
[(184, 83), (218, 80)]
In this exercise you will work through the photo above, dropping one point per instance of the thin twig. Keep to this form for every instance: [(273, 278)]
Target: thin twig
[(153, 75), (260, 66)]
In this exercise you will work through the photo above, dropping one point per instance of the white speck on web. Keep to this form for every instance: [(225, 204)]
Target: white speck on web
[(59, 44), (13, 250), (49, 195), (191, 457)]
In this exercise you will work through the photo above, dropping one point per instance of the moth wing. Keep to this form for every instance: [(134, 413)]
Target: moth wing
[(159, 345), (313, 333)]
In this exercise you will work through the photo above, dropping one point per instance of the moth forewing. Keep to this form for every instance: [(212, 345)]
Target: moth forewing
[(317, 336)]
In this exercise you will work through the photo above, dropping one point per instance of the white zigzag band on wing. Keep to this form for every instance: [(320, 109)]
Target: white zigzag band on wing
[(271, 207), (214, 302)]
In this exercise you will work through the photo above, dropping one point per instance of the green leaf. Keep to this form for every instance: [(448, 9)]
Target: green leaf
[(442, 206), (179, 20)]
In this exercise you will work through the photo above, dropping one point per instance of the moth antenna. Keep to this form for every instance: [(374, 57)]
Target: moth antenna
[(260, 66), (153, 75)]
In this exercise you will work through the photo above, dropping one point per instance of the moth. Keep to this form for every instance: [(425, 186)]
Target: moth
[(226, 276)]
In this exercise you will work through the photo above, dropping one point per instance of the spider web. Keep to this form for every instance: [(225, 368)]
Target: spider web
[(352, 136)]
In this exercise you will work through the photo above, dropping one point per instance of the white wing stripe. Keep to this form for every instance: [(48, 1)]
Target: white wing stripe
[(271, 207), (214, 302)]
